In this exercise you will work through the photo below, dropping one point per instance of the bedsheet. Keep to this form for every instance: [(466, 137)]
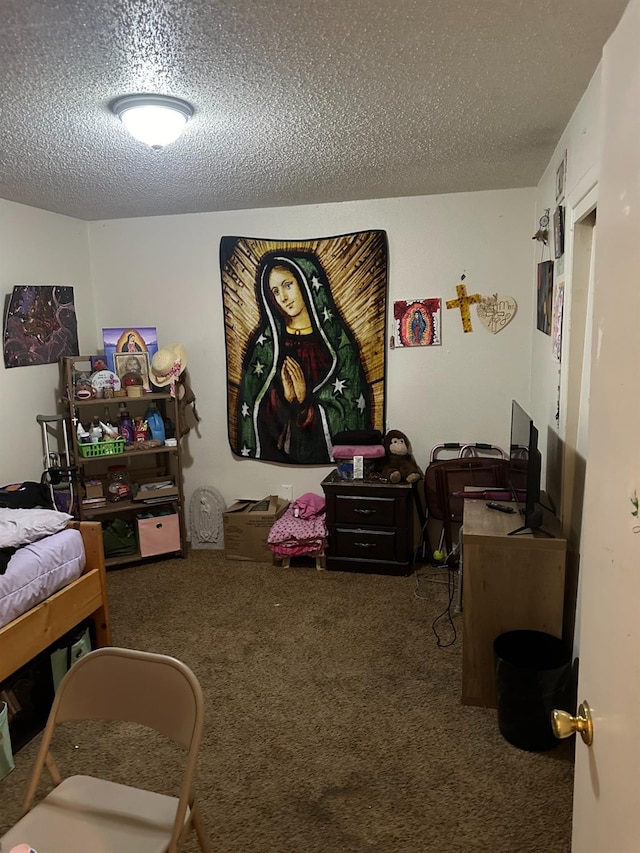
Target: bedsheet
[(38, 570)]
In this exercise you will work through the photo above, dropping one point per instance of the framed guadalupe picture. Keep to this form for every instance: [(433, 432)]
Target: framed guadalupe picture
[(558, 231), (129, 340)]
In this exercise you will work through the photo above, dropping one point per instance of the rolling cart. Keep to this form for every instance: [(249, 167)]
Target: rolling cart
[(477, 465)]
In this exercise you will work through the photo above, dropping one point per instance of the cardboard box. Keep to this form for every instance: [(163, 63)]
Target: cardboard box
[(93, 489), (246, 527), (150, 492)]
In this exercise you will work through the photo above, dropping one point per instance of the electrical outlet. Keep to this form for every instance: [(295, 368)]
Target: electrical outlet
[(287, 492)]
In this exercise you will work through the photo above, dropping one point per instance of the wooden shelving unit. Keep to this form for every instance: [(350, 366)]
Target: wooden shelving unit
[(143, 465)]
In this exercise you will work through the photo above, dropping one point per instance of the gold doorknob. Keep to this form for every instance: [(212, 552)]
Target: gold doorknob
[(564, 725)]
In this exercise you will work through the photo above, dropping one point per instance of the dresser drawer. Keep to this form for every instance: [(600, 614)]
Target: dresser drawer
[(366, 511), (364, 544)]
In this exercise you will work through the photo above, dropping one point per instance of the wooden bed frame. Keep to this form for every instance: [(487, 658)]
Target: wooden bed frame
[(84, 598)]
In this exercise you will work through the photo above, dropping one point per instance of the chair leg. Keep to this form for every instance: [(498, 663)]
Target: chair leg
[(201, 835)]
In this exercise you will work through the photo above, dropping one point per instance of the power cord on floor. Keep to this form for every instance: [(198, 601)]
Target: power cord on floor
[(446, 614), (444, 575)]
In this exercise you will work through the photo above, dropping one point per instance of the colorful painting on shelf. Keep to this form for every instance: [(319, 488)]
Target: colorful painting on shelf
[(142, 339)]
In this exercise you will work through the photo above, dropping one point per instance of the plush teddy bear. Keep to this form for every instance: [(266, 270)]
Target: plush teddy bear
[(398, 463)]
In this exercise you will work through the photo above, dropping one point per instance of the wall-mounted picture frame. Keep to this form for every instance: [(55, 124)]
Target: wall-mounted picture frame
[(561, 178), (136, 363), (558, 231), (417, 322), (40, 325), (545, 296)]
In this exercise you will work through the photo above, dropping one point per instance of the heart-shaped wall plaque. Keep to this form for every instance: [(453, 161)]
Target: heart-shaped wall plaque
[(496, 311)]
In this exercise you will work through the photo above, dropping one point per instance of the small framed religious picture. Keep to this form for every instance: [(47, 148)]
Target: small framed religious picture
[(558, 231), (561, 178), (132, 368)]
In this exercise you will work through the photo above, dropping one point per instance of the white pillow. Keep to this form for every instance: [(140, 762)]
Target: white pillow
[(24, 526)]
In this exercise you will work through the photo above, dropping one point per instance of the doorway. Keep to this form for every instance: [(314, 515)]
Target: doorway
[(574, 404)]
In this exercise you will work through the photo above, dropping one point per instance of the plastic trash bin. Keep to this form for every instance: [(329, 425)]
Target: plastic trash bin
[(533, 676)]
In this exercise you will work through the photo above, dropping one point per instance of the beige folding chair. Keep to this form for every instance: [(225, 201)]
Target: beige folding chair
[(84, 814)]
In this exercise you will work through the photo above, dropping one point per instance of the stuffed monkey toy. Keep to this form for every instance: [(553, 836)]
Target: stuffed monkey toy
[(398, 464)]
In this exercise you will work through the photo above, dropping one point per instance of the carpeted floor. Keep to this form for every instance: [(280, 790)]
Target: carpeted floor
[(334, 721)]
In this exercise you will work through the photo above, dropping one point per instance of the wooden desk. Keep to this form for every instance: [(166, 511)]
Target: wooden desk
[(509, 583)]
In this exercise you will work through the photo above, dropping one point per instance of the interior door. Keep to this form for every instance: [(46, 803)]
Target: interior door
[(606, 798)]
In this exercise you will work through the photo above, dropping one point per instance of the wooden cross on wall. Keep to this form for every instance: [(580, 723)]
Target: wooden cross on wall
[(462, 302)]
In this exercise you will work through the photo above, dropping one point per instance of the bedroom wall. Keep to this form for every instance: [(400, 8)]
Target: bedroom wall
[(581, 140), (164, 272), (38, 247), (563, 388)]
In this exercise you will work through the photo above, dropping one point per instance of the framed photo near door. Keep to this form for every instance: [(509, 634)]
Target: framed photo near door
[(558, 231), (545, 296)]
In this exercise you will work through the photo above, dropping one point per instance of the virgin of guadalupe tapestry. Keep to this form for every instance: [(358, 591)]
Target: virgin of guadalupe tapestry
[(40, 325), (305, 342)]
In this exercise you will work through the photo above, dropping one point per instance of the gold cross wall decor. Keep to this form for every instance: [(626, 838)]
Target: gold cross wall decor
[(463, 302)]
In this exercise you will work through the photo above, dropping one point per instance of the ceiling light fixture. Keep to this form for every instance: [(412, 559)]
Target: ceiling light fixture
[(156, 120)]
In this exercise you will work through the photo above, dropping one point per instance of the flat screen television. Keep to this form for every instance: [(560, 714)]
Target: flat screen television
[(525, 467)]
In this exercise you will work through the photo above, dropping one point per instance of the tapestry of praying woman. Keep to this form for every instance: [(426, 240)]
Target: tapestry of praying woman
[(302, 378)]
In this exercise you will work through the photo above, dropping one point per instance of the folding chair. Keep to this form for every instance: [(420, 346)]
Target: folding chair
[(452, 479), (85, 814)]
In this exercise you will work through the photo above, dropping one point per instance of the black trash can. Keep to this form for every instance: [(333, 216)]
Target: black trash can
[(533, 676)]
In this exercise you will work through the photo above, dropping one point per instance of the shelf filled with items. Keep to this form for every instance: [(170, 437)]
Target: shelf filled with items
[(128, 461)]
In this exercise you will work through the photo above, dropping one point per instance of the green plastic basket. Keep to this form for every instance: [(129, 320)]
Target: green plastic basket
[(102, 448)]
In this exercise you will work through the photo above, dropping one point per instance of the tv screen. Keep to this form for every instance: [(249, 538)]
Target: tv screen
[(524, 466)]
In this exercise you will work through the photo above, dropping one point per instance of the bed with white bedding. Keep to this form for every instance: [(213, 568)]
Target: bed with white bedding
[(38, 570), (50, 586)]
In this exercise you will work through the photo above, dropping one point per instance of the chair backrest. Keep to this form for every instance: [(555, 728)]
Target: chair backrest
[(154, 690), (451, 476), (134, 686)]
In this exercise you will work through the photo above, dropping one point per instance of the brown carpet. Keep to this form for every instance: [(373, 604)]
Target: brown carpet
[(334, 721)]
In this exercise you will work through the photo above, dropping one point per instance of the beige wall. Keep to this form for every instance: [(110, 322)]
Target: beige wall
[(37, 247), (164, 271), (581, 140)]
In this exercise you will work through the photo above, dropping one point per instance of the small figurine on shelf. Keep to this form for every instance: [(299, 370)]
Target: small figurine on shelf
[(83, 389)]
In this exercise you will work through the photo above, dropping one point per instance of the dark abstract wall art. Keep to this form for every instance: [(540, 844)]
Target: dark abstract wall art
[(40, 325)]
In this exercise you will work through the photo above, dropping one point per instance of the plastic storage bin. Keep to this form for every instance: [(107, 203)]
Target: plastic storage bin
[(102, 448), (69, 649), (533, 676), (7, 764)]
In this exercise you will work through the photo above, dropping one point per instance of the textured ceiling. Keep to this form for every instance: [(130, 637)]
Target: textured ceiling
[(296, 101)]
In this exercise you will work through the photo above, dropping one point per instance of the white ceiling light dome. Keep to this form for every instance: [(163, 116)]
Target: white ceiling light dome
[(156, 120)]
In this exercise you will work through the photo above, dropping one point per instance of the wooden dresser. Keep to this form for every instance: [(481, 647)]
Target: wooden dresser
[(370, 525)]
